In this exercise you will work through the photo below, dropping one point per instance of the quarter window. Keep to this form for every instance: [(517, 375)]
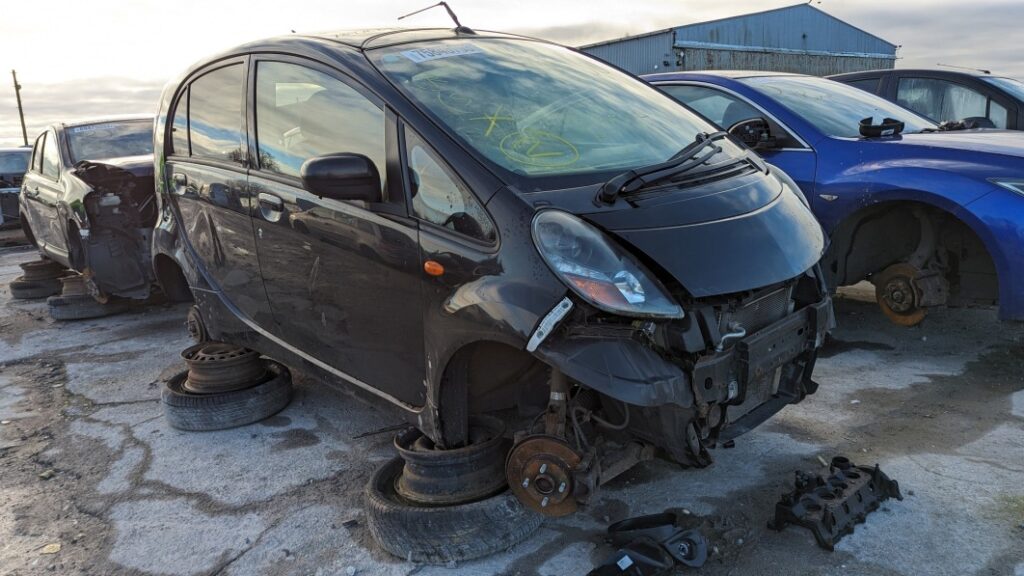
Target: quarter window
[(725, 109), (302, 113), (215, 115), (439, 197), (51, 157), (179, 127), (865, 84), (37, 153)]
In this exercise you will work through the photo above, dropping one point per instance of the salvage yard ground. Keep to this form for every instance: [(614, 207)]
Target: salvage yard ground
[(93, 480)]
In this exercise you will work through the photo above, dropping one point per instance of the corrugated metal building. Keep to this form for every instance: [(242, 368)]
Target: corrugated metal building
[(797, 38)]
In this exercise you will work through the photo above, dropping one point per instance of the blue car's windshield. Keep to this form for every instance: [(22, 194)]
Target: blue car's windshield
[(832, 107), (110, 140), (539, 111), (1014, 87)]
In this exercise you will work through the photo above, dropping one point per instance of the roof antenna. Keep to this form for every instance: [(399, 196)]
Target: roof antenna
[(982, 70), (459, 28)]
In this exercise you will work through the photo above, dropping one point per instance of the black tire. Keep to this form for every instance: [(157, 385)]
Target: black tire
[(443, 534), (204, 412), (82, 307), (31, 289)]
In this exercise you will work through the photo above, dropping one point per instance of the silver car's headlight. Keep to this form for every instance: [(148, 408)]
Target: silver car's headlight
[(1014, 184), (597, 270)]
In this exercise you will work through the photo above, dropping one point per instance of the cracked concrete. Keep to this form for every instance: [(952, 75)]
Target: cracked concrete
[(940, 407)]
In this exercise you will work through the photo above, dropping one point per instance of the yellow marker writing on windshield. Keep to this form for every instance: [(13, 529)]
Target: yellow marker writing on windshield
[(493, 120)]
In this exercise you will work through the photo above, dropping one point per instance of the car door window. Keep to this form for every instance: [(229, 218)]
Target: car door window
[(302, 113), (725, 109), (439, 197), (215, 115), (942, 100), (51, 157), (866, 84)]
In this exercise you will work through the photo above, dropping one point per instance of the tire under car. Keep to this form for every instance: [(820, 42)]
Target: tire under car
[(443, 534), (200, 412)]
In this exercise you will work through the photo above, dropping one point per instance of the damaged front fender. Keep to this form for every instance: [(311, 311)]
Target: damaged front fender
[(113, 219)]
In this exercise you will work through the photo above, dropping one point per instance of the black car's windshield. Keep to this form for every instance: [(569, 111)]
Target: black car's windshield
[(14, 162), (110, 140), (1014, 87), (538, 110), (832, 107)]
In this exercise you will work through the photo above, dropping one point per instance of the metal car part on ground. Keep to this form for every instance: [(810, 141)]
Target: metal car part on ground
[(944, 202), (831, 507), (76, 303), (479, 246), (653, 545)]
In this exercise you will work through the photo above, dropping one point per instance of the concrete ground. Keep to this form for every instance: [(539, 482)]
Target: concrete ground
[(93, 481)]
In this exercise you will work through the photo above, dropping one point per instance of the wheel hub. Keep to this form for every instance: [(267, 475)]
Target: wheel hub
[(434, 476), (898, 294), (215, 367), (541, 473)]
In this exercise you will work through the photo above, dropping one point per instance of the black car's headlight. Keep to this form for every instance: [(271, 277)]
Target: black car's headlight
[(1014, 184), (597, 270)]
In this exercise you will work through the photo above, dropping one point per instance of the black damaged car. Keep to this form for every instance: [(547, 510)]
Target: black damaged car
[(501, 237), (87, 202)]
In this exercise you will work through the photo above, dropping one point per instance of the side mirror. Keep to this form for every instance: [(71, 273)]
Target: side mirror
[(753, 132), (342, 177)]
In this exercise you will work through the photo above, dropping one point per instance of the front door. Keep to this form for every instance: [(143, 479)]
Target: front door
[(42, 191), (208, 187), (343, 278)]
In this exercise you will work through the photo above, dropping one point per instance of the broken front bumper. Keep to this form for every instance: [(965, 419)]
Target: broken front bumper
[(725, 393)]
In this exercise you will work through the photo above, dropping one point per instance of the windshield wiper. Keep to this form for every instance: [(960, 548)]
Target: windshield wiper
[(682, 161)]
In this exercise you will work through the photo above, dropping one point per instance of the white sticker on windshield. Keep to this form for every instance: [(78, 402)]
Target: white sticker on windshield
[(91, 127), (428, 54)]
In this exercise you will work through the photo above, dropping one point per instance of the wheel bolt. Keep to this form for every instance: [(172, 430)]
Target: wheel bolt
[(561, 487), (526, 482), (543, 468), (544, 502)]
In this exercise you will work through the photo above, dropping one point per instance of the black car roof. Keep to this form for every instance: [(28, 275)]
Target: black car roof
[(932, 71), (368, 39)]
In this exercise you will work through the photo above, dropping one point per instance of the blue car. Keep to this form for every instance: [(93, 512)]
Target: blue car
[(932, 217)]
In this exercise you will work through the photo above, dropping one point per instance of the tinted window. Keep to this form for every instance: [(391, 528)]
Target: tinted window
[(302, 113), (109, 140), (179, 127), (535, 111), (215, 115), (866, 84), (14, 162), (832, 107), (722, 109), (51, 156), (942, 100), (438, 196)]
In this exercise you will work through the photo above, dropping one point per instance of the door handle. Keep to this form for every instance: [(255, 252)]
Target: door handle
[(180, 182), (270, 202)]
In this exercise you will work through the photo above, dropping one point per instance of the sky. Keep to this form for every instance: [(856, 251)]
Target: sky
[(79, 59)]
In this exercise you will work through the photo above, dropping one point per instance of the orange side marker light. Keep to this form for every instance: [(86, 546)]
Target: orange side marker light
[(433, 268)]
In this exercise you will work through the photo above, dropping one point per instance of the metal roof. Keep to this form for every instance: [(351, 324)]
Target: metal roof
[(799, 28)]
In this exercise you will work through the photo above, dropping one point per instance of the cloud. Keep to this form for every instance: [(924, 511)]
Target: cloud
[(46, 104)]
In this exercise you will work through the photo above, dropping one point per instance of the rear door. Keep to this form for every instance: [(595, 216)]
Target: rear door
[(207, 172), (343, 278)]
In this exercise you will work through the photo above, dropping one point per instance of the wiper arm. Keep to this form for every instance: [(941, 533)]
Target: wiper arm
[(682, 161)]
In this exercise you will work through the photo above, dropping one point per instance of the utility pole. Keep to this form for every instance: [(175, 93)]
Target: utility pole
[(21, 113)]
